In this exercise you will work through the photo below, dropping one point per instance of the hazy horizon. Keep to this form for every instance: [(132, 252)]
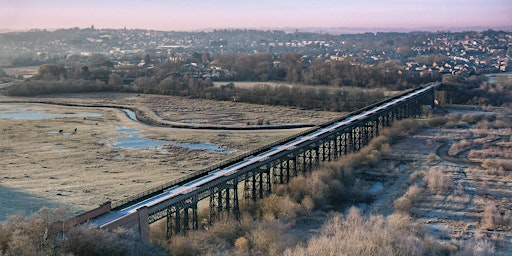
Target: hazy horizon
[(196, 15)]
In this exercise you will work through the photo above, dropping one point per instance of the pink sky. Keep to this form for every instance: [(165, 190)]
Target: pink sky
[(201, 14)]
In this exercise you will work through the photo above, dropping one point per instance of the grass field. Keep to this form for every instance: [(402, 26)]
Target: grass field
[(79, 170)]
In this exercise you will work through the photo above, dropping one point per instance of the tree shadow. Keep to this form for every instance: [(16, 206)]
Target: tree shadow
[(13, 202)]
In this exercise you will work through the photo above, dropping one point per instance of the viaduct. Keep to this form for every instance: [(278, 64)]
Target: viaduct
[(253, 175)]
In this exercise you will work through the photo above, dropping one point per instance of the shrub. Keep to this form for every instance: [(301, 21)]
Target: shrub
[(437, 182), (403, 204), (359, 235), (437, 121), (219, 238), (280, 207), (406, 202), (477, 247), (414, 193), (242, 246), (43, 233), (505, 164), (493, 217), (307, 204), (184, 246), (472, 118), (415, 176), (431, 158), (270, 238)]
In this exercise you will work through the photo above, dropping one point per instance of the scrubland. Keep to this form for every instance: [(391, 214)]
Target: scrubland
[(446, 190), (431, 203)]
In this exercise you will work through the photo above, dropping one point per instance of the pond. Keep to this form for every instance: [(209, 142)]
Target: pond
[(134, 141), (24, 113)]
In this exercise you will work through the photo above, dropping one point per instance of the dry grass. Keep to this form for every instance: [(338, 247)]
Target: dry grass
[(180, 110), (80, 171), (499, 164)]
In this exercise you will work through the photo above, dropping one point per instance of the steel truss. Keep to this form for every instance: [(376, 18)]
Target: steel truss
[(258, 182)]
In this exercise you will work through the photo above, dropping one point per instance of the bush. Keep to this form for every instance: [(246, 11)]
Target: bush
[(359, 235), (493, 217), (437, 121), (415, 176), (414, 193), (505, 164), (44, 234), (437, 182), (477, 247), (403, 204), (270, 238), (406, 202), (280, 207), (184, 246)]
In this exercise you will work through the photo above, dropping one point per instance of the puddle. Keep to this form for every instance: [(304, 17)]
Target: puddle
[(195, 120), (377, 187), (401, 167), (134, 141), (61, 132), (19, 113), (130, 114)]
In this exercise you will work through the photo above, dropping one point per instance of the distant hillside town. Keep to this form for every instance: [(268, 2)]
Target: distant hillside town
[(364, 60)]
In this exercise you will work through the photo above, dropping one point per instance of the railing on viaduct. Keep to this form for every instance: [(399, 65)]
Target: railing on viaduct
[(326, 142)]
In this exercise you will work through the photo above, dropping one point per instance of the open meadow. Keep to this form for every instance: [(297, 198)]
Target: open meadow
[(76, 158)]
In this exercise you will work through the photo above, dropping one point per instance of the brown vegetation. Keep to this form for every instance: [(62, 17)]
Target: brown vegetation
[(332, 99), (80, 170), (45, 234), (332, 183), (270, 233), (355, 234), (437, 182), (343, 235)]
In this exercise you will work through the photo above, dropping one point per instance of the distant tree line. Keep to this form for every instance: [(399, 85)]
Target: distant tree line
[(293, 67), (167, 79), (320, 98), (475, 91), (37, 87)]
